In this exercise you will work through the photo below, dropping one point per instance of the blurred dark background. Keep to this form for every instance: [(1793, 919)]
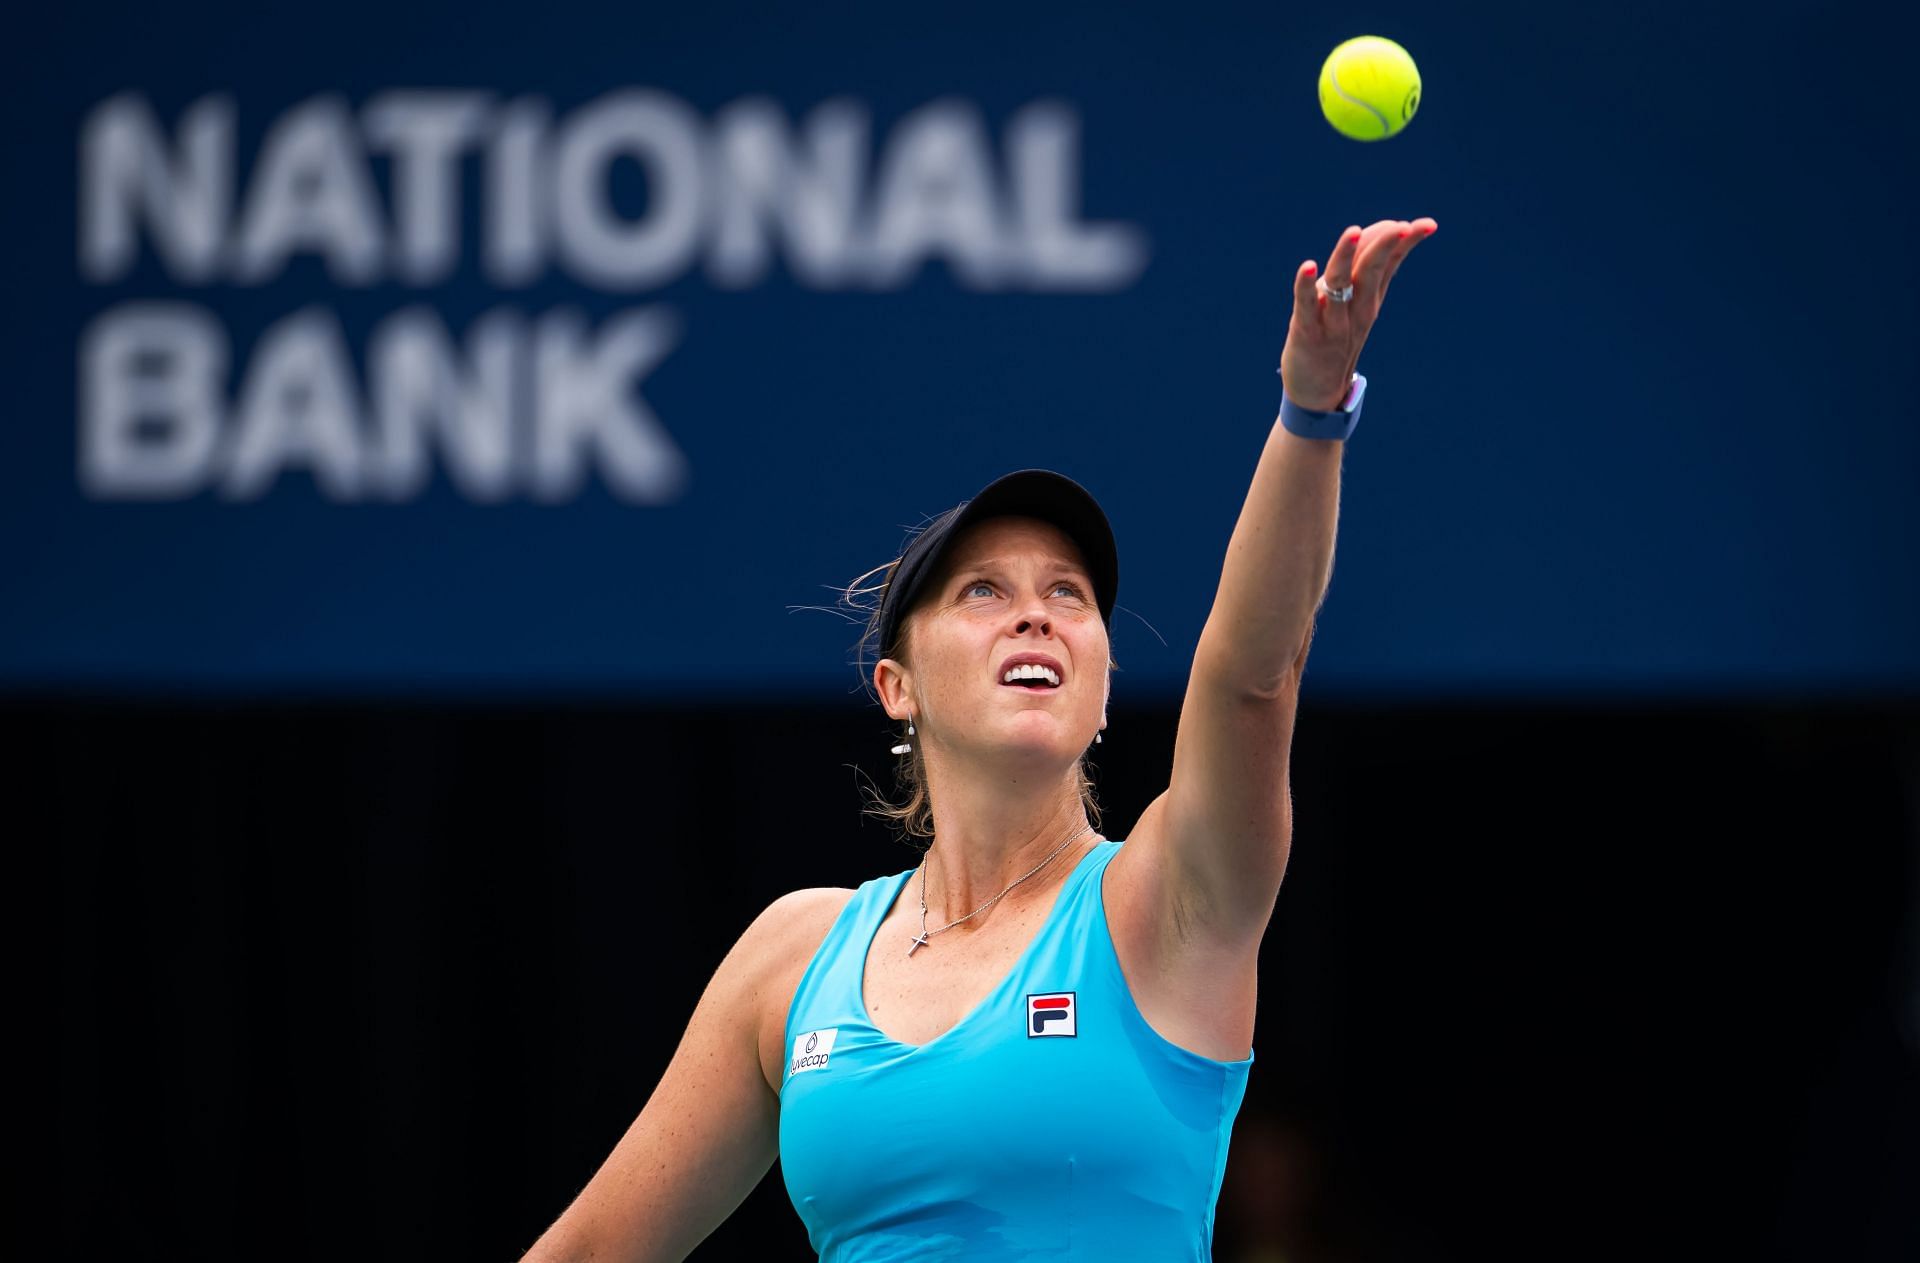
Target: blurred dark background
[(428, 427)]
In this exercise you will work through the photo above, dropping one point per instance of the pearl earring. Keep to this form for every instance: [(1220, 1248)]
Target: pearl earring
[(905, 746)]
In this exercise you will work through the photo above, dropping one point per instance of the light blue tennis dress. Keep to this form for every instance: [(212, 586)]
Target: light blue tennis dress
[(1051, 1123)]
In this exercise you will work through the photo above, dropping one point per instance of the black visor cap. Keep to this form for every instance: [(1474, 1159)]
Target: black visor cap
[(1036, 493)]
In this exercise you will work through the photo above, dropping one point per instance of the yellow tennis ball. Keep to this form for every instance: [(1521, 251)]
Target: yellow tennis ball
[(1369, 88)]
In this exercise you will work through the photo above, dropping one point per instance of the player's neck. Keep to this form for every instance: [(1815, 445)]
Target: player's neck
[(990, 831)]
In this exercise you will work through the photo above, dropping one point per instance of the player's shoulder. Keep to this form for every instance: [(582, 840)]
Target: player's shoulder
[(794, 925), (775, 952)]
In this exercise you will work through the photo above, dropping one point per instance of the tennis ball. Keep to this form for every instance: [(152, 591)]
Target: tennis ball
[(1369, 88)]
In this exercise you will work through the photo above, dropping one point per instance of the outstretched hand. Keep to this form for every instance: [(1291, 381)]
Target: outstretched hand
[(1324, 337)]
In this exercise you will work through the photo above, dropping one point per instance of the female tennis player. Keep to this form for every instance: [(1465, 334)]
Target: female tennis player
[(1031, 1045)]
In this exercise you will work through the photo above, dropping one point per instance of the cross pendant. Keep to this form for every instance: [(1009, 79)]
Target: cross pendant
[(918, 943)]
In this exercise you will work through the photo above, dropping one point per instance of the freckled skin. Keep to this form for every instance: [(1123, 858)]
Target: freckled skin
[(959, 633)]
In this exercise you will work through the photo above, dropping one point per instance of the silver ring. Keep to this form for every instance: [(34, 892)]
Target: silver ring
[(1339, 295)]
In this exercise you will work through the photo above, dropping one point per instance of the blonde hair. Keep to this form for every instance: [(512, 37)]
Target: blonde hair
[(913, 818)]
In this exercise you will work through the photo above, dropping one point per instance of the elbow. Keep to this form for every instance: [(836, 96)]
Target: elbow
[(1280, 687), (1284, 687), (1264, 680)]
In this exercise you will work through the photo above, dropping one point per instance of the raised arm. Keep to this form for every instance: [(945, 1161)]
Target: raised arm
[(710, 1130), (1225, 823)]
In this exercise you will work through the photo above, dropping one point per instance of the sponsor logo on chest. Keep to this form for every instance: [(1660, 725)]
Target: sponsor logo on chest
[(812, 1050), (1051, 1013)]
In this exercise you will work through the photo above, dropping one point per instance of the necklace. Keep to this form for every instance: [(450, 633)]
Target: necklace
[(921, 942)]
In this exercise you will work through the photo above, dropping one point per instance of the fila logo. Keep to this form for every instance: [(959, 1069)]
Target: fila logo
[(1050, 1014), (811, 1050)]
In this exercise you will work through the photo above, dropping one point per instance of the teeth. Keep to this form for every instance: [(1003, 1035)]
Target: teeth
[(1031, 671)]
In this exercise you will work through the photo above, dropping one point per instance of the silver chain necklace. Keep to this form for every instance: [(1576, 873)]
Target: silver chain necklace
[(921, 942)]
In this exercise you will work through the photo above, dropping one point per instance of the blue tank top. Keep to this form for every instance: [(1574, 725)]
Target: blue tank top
[(1051, 1123)]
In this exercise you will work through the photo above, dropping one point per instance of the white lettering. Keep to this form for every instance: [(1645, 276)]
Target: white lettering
[(516, 176), (551, 194), (812, 198), (532, 411), (514, 408), (937, 194), (125, 171), (586, 405), (151, 380), (426, 132), (1043, 145), (418, 386), (312, 191), (297, 407), (664, 136)]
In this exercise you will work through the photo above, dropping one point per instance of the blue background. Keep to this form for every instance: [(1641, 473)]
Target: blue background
[(1637, 422)]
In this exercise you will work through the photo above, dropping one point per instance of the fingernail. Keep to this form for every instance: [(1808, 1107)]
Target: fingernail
[(1403, 236)]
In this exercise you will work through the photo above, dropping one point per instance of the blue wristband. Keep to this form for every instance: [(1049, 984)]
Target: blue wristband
[(1309, 424)]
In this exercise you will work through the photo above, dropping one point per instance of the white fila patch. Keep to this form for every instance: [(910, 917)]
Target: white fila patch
[(811, 1050), (1050, 1014)]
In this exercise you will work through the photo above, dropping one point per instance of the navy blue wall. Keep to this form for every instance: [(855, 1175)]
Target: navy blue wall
[(1637, 420)]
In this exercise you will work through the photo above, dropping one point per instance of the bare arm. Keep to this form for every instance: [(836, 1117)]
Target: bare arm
[(1281, 553), (710, 1130), (1227, 818)]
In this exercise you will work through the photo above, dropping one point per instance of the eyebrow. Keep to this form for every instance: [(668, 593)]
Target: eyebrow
[(1000, 563)]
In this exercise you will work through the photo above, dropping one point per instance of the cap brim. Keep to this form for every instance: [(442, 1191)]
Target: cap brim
[(1037, 493)]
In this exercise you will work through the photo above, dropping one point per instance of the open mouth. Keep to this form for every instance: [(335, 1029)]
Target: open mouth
[(1032, 676)]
